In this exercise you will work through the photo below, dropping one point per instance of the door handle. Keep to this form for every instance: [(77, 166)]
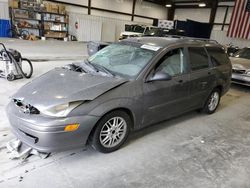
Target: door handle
[(180, 81)]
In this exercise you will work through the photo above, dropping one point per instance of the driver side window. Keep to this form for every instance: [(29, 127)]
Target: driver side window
[(173, 63)]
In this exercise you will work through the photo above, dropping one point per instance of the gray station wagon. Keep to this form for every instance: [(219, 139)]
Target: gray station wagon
[(124, 87)]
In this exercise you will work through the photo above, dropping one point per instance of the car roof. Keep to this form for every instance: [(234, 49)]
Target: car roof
[(172, 40)]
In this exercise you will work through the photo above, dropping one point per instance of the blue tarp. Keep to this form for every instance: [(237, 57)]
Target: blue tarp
[(4, 28)]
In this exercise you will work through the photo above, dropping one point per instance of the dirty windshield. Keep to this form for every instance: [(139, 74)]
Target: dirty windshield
[(123, 60)]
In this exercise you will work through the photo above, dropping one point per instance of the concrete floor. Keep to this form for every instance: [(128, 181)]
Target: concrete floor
[(193, 150)]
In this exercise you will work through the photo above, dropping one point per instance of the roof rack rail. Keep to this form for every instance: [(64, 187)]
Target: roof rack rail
[(192, 38)]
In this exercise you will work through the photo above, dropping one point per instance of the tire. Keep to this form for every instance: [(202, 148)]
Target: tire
[(11, 77), (106, 137), (31, 68), (212, 102)]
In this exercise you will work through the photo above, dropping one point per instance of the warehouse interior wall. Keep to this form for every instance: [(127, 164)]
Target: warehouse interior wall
[(219, 31), (109, 29), (109, 25), (4, 11), (112, 24), (200, 15)]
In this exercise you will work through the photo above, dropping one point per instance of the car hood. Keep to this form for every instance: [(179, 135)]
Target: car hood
[(60, 86), (240, 63)]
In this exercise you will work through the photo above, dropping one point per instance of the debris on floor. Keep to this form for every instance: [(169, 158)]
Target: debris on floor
[(19, 150)]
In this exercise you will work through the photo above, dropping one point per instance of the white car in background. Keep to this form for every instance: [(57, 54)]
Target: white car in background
[(241, 67), (134, 31)]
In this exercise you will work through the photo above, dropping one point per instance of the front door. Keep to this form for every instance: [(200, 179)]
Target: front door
[(164, 99)]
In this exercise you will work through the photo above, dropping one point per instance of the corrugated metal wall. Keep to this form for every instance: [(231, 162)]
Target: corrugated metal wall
[(4, 11), (221, 37), (107, 29)]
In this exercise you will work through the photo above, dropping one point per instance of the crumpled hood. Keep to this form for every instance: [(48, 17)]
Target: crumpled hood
[(60, 86), (240, 63)]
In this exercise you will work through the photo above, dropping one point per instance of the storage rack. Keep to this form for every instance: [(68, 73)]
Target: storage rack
[(39, 25)]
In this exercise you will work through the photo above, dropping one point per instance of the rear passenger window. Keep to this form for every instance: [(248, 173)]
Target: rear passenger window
[(218, 56), (198, 58)]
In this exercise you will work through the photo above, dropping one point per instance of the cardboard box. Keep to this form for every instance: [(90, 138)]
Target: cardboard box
[(62, 9), (47, 7), (54, 8), (46, 26), (13, 3), (52, 34), (21, 14)]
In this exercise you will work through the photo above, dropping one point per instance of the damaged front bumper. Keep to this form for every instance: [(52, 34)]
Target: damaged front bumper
[(46, 134), (19, 150)]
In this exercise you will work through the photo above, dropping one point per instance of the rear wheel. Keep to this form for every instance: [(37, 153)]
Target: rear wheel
[(212, 102), (11, 77), (111, 132)]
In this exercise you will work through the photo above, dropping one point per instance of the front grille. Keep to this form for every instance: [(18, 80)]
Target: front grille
[(26, 108), (238, 71)]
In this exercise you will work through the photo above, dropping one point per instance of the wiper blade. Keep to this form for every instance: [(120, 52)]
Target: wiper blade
[(74, 67), (102, 68), (91, 65)]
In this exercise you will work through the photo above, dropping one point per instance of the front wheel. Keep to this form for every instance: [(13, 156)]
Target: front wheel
[(212, 102), (111, 132)]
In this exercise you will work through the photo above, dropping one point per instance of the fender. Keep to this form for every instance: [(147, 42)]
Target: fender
[(133, 105)]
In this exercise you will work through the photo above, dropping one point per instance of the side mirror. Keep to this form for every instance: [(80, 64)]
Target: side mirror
[(159, 76)]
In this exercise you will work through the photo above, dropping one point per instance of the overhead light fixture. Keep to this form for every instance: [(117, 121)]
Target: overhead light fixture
[(168, 5), (202, 5)]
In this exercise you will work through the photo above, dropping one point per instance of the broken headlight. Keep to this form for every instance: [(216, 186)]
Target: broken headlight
[(62, 110)]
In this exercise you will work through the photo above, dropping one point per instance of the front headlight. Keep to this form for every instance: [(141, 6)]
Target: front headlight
[(62, 110), (248, 72)]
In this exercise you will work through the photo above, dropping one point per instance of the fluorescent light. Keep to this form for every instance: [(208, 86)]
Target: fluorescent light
[(168, 5), (202, 5)]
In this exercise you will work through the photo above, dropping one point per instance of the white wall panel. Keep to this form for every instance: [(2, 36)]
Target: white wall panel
[(200, 15), (143, 20), (88, 29), (110, 15), (229, 14), (108, 33), (217, 27), (4, 11), (221, 37), (220, 14), (75, 9), (116, 5), (151, 10)]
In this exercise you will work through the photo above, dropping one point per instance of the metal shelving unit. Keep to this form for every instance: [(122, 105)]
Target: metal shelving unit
[(50, 24)]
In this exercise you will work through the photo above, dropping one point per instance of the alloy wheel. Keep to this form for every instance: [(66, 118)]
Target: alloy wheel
[(214, 101), (113, 132)]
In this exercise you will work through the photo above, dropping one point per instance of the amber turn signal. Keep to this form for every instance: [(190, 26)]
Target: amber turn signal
[(71, 127)]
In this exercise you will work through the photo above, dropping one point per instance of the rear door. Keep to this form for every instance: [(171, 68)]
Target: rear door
[(202, 77)]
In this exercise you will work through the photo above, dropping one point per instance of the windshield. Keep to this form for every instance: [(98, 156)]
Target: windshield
[(139, 29), (244, 53), (153, 31), (124, 60), (129, 27)]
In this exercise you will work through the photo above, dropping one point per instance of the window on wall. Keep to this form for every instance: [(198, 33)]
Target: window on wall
[(198, 58)]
